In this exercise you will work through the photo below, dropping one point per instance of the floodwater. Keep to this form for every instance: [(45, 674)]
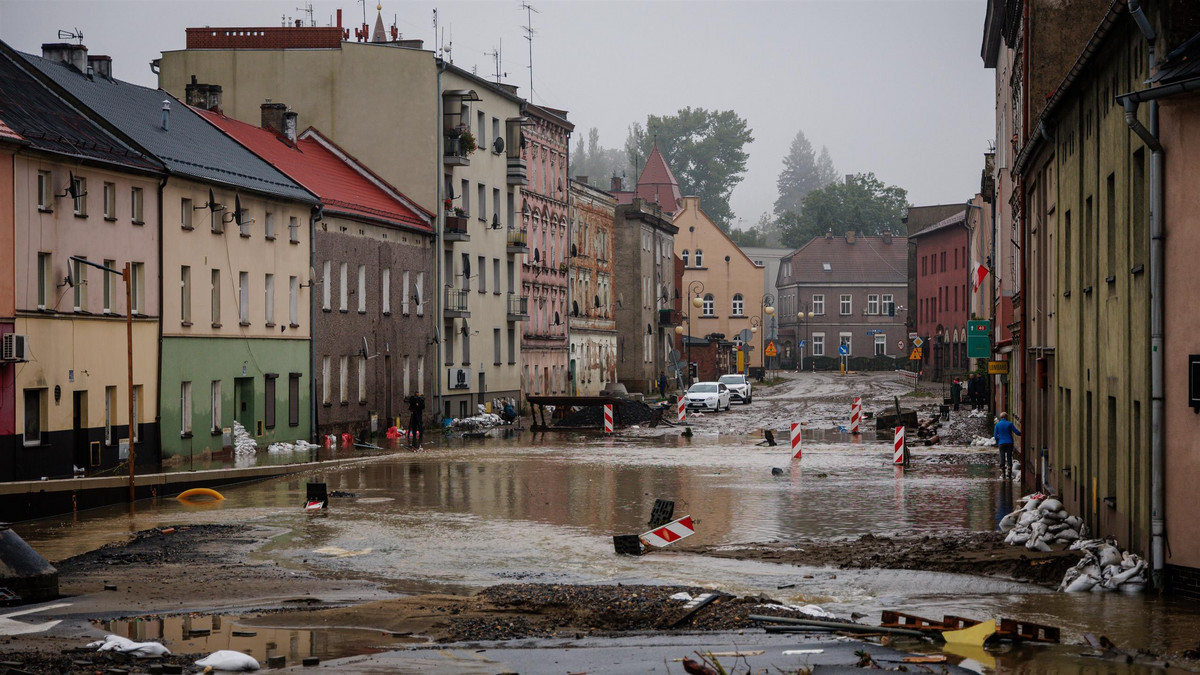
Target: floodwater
[(543, 507)]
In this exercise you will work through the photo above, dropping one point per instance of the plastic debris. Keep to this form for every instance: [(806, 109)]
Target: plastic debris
[(298, 446), (682, 597)]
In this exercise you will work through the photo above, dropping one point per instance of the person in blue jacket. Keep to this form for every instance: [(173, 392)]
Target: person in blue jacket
[(1003, 433)]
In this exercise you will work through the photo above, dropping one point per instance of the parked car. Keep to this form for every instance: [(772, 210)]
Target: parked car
[(708, 396), (739, 387)]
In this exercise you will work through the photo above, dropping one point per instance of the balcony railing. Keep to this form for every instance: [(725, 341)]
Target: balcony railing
[(518, 240), (518, 307), (456, 228), (517, 172), (453, 155), (456, 304)]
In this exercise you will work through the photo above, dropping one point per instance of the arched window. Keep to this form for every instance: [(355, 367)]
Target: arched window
[(685, 257), (699, 258), (709, 304), (738, 304)]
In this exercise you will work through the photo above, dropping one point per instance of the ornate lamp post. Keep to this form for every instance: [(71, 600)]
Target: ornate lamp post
[(755, 323), (805, 316), (694, 290), (766, 308)]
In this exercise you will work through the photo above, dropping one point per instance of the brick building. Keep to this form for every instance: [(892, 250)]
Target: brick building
[(943, 294), (593, 328)]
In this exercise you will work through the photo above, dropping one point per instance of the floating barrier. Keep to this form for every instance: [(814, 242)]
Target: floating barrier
[(187, 495)]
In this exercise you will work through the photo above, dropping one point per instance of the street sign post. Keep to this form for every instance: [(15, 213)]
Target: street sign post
[(979, 339), (900, 345)]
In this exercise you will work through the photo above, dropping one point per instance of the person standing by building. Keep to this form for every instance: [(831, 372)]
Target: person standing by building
[(1003, 434), (416, 420), (955, 393), (662, 384)]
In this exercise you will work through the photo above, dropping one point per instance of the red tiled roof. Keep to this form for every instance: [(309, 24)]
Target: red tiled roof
[(868, 259), (657, 184), (338, 181), (7, 133)]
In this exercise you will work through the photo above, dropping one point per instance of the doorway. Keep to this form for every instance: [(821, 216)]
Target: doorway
[(79, 432), (243, 402)]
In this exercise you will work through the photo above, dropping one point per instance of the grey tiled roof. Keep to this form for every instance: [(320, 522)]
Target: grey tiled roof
[(191, 147), (867, 260)]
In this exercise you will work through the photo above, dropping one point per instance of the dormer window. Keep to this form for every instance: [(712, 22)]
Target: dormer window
[(827, 267)]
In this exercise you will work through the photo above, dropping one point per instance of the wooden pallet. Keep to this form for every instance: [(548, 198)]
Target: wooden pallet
[(891, 619), (1027, 631)]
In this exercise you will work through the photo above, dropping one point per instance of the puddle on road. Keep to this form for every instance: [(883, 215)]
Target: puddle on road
[(543, 507)]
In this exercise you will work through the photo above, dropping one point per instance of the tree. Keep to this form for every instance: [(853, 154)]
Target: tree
[(863, 203), (595, 161), (802, 173), (704, 148)]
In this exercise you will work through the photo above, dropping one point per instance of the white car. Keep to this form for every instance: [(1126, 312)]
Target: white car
[(739, 387), (708, 396)]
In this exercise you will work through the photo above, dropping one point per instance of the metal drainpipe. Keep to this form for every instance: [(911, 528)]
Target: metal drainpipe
[(438, 225), (313, 402)]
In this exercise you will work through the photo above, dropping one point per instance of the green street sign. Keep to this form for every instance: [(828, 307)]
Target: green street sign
[(979, 339)]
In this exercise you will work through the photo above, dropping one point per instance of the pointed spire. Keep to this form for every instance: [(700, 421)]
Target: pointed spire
[(657, 183), (380, 34)]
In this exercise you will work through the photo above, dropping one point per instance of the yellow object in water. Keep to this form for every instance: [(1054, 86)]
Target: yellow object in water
[(975, 635), (187, 495)]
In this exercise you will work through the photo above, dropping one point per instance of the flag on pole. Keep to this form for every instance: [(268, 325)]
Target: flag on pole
[(978, 272)]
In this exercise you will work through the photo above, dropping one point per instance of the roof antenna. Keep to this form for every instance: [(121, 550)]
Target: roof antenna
[(308, 9), (68, 35), (497, 56), (529, 33)]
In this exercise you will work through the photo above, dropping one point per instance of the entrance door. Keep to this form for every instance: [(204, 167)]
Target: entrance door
[(243, 403), (571, 377), (79, 438)]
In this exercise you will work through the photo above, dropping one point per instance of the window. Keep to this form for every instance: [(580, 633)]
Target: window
[(818, 302), (845, 304), (293, 399), (482, 274), (709, 305), (512, 346), (185, 213), (45, 191), (420, 371), (420, 299), (214, 406), (344, 289), (216, 220), (362, 378), (269, 298), (699, 260), (269, 228), (465, 194), (136, 205), (137, 413), (242, 218), (325, 367), (466, 349), (293, 230), (685, 257), (185, 409), (495, 128), (496, 346), (137, 272), (924, 266), (110, 201), (80, 196), (872, 304), (185, 295), (943, 260), (818, 344), (344, 379), (45, 278), (481, 197), (244, 298), (110, 409), (844, 340), (269, 400), (325, 286), (362, 289), (496, 207), (466, 272), (215, 298), (496, 276), (293, 301), (880, 344), (738, 305), (889, 305), (108, 285), (385, 289), (404, 297), (481, 119), (80, 285), (35, 400)]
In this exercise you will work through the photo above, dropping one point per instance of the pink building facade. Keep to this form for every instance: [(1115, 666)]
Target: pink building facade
[(544, 274)]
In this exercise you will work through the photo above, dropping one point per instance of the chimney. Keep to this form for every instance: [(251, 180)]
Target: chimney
[(100, 66), (65, 52), (615, 184), (887, 238), (849, 236), (277, 118), (166, 115), (203, 96)]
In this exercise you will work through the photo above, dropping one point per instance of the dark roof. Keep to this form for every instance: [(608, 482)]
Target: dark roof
[(921, 217), (867, 260), (191, 147), (48, 123), (956, 219)]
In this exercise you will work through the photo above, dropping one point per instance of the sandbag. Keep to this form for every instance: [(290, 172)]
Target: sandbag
[(227, 659), (1083, 583), (1051, 505)]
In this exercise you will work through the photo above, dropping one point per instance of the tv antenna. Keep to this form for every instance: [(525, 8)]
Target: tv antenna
[(68, 35), (529, 33), (308, 9), (497, 57)]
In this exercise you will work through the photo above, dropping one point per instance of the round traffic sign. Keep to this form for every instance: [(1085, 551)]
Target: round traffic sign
[(900, 344)]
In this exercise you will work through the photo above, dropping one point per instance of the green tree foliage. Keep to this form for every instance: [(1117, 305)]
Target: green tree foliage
[(802, 173), (765, 232), (862, 203), (596, 162), (706, 150)]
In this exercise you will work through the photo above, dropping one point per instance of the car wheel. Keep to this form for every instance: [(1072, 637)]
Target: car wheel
[(747, 401)]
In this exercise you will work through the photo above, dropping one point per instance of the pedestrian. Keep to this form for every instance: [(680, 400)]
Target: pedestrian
[(662, 384), (955, 393), (1003, 433), (973, 391), (416, 420), (509, 415)]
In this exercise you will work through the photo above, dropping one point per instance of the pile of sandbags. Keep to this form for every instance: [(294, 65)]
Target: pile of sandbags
[(480, 421), (1041, 522), (1105, 567), (285, 448)]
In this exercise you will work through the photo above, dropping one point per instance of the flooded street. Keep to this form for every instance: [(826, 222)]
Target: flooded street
[(542, 508)]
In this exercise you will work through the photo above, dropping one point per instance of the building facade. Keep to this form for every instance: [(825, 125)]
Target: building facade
[(593, 327), (643, 245), (944, 289), (845, 291), (768, 260), (544, 272)]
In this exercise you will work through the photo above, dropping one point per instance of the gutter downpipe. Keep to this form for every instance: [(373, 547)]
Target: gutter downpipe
[(439, 224), (1157, 463), (313, 401)]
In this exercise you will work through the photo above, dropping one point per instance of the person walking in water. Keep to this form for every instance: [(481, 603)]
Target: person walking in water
[(1004, 440), (416, 420)]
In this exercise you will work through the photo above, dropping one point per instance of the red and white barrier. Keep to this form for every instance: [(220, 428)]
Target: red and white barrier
[(856, 415), (682, 408), (898, 447), (669, 533), (608, 418), (795, 440)]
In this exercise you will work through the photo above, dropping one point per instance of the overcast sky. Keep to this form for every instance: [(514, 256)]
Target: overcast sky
[(890, 86)]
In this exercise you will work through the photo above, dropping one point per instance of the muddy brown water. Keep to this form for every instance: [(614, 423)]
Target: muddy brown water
[(542, 508)]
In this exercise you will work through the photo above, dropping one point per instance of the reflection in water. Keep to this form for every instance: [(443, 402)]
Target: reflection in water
[(543, 508)]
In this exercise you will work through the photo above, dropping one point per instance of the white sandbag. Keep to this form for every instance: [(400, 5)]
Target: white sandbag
[(1052, 505), (227, 659), (1019, 538), (1067, 535), (1109, 555), (1009, 521), (1037, 545), (116, 643), (1008, 538), (682, 596), (1082, 583), (1057, 527), (1074, 521), (1027, 518), (1132, 587), (1054, 516), (1121, 576)]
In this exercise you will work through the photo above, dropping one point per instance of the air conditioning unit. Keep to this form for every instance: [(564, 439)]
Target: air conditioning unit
[(15, 347), (459, 378)]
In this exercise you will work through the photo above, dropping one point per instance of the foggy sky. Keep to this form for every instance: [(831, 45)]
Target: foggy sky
[(891, 86)]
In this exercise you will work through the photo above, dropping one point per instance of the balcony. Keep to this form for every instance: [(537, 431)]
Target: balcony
[(518, 307), (669, 317), (456, 304), (456, 228), (517, 172), (518, 240), (453, 155)]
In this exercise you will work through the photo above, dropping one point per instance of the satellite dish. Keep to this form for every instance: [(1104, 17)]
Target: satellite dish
[(498, 145), (237, 205), (363, 351)]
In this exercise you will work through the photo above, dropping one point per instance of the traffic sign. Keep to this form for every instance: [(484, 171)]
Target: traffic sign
[(979, 339), (915, 355), (997, 367), (804, 343), (900, 345), (917, 341), (669, 533), (844, 350), (771, 350)]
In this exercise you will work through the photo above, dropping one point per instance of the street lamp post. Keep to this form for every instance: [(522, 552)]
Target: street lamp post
[(694, 290), (755, 322), (126, 275), (805, 317), (766, 307)]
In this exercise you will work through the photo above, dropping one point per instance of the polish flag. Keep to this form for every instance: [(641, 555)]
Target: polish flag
[(978, 272)]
